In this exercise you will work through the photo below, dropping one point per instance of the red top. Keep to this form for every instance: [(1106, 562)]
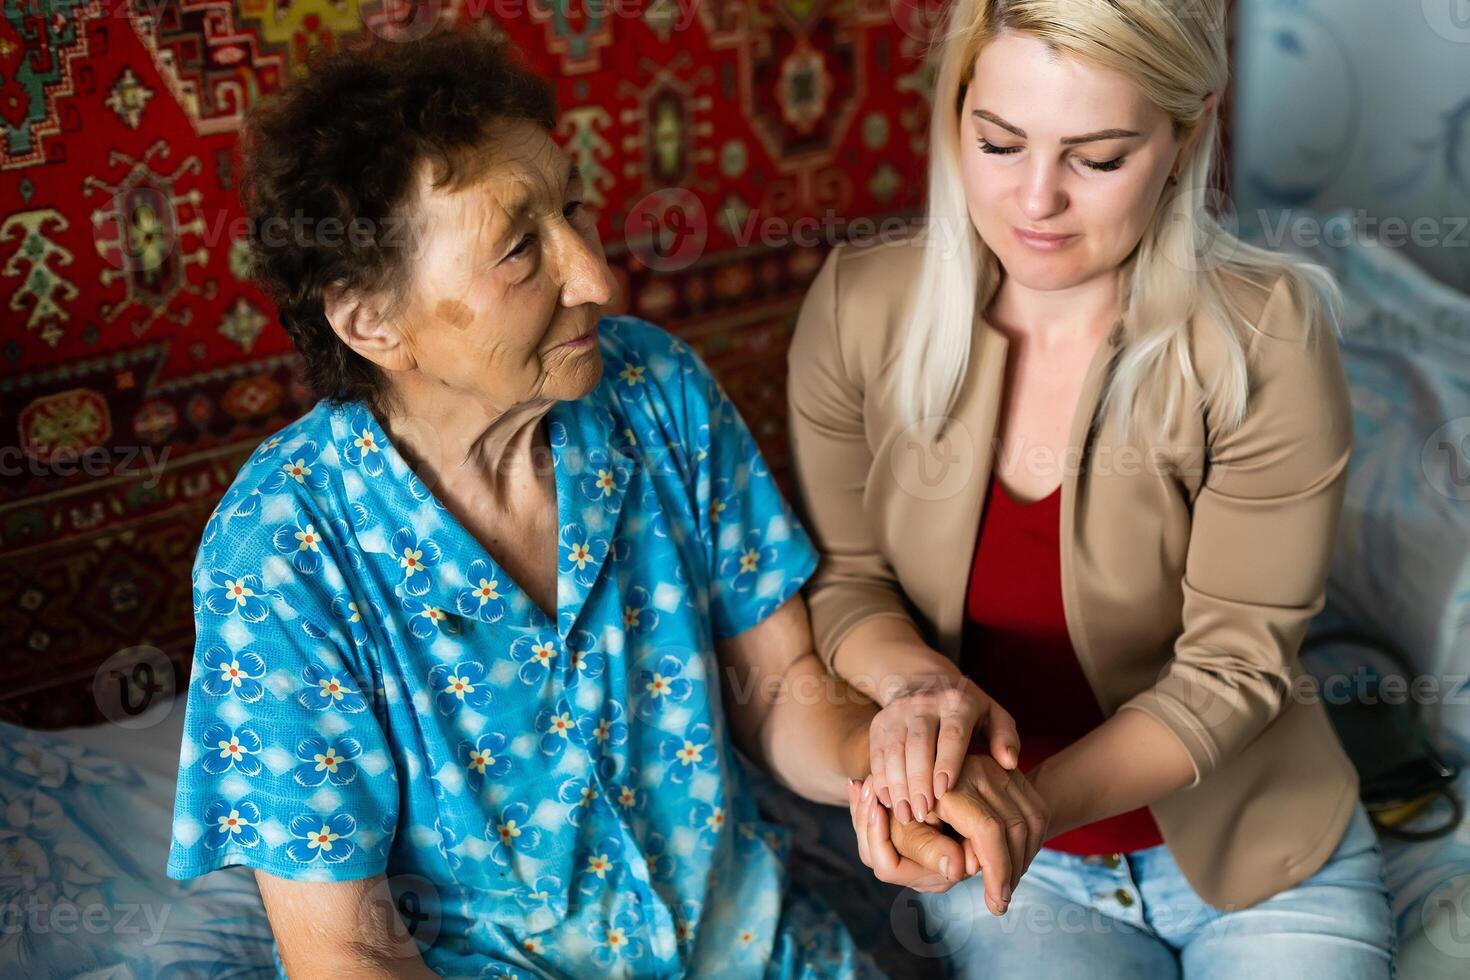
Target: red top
[(1017, 649)]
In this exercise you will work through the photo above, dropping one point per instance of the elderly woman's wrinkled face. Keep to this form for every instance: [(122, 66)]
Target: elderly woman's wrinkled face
[(1062, 148), (508, 279)]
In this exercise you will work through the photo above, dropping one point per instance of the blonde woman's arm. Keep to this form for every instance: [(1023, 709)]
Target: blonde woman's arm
[(860, 622), (1261, 542)]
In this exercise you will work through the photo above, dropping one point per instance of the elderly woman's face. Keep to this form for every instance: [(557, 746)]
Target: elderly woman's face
[(508, 280), (1025, 170)]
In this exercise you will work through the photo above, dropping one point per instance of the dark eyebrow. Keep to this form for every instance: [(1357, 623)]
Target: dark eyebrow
[(1102, 134)]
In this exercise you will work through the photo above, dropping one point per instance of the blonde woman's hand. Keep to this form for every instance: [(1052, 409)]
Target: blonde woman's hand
[(918, 741)]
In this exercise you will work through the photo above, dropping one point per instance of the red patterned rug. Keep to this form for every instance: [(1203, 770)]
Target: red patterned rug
[(139, 364)]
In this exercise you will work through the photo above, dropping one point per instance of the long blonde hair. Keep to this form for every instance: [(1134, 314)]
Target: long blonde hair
[(1176, 53)]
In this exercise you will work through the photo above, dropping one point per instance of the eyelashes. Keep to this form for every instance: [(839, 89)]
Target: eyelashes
[(520, 248), (571, 211), (1106, 166)]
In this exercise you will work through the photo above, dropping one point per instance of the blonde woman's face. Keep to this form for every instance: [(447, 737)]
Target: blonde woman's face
[(1063, 148)]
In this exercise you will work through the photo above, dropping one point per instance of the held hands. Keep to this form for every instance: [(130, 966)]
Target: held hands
[(919, 740), (1000, 818)]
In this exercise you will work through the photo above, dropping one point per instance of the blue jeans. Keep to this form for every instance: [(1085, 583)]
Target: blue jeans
[(1135, 915)]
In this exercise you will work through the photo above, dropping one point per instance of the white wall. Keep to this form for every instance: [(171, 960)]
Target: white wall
[(1362, 104)]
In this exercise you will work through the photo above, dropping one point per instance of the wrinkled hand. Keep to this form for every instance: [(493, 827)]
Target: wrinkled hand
[(917, 855), (1001, 819), (918, 742)]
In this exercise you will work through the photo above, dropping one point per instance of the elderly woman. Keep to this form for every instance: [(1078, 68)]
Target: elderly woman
[(461, 628)]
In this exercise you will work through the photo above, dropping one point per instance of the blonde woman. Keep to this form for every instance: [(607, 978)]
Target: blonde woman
[(1074, 458)]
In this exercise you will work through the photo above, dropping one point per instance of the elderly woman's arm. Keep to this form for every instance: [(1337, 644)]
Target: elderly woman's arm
[(805, 726), (333, 929)]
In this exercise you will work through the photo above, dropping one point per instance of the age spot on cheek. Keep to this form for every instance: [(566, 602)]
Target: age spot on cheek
[(454, 313)]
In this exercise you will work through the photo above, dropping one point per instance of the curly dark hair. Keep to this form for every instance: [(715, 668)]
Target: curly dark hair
[(335, 153)]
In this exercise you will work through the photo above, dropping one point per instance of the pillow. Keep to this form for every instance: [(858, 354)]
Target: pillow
[(83, 843)]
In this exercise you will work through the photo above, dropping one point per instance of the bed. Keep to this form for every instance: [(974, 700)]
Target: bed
[(85, 830)]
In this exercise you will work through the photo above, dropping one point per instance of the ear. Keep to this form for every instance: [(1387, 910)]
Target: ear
[(360, 323), (1211, 101)]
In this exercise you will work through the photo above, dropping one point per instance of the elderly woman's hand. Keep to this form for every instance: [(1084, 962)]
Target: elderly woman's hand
[(916, 855), (1002, 819)]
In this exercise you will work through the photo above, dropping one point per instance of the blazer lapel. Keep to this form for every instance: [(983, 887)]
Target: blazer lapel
[(927, 491), (939, 476), (1074, 487)]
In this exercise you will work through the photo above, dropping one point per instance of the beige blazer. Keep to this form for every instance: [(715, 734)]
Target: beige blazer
[(1190, 568)]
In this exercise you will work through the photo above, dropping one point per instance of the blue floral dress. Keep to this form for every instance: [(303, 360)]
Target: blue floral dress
[(547, 796)]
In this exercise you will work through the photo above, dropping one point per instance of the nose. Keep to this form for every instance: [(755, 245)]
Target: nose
[(1041, 194), (586, 275)]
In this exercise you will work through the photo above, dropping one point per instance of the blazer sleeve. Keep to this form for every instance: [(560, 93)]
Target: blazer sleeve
[(853, 582), (1264, 523)]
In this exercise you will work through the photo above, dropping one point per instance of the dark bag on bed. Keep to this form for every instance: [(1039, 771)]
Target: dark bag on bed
[(1398, 768)]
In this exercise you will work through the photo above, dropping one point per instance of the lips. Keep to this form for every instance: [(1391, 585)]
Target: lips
[(1044, 243), (579, 341)]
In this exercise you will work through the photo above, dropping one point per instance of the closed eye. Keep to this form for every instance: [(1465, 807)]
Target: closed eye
[(988, 147), (1105, 166)]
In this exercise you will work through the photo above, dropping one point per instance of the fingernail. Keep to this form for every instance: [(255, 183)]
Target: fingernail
[(1005, 894), (944, 867), (902, 811), (921, 807), (867, 791), (941, 784)]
